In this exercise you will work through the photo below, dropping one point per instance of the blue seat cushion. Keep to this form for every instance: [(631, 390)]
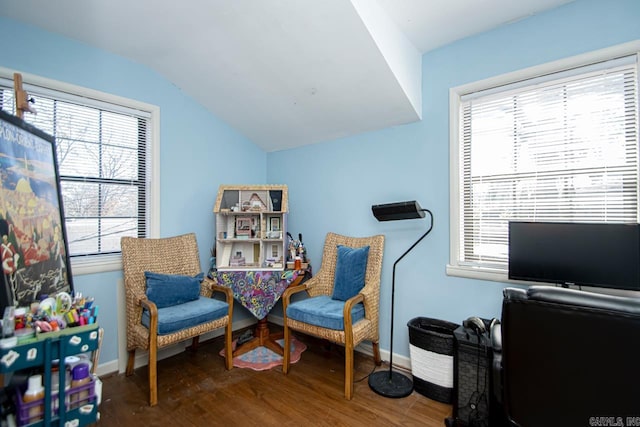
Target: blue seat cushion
[(323, 311), (176, 317)]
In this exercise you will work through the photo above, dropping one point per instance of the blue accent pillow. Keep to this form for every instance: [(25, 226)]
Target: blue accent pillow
[(166, 290), (351, 269)]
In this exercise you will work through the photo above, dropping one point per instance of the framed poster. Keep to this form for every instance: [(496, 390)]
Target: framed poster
[(34, 247)]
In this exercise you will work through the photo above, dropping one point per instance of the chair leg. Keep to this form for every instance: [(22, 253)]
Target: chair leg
[(286, 350), (195, 343), (376, 353), (130, 361), (153, 376), (228, 349), (348, 372)]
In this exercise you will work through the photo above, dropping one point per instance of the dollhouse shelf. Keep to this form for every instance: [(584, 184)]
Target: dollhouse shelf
[(251, 227)]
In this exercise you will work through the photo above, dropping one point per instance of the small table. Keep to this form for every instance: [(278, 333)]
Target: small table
[(258, 291)]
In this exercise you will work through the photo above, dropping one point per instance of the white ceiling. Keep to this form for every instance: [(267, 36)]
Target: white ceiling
[(284, 73)]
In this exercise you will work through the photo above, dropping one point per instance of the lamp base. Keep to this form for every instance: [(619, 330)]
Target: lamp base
[(390, 384)]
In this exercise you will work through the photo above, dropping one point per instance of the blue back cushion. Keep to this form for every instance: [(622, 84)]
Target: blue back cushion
[(166, 290), (351, 269)]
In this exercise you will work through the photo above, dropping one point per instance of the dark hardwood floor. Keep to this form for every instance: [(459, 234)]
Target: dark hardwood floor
[(195, 390)]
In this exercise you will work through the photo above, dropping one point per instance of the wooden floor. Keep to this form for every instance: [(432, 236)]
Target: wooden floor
[(194, 389)]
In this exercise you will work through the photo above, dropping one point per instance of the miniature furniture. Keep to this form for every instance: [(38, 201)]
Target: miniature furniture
[(344, 299), (177, 313), (251, 225), (566, 357)]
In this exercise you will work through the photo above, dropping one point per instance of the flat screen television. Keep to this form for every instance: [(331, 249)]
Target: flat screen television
[(583, 254)]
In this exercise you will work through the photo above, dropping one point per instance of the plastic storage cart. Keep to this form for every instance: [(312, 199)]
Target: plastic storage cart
[(40, 353), (431, 346)]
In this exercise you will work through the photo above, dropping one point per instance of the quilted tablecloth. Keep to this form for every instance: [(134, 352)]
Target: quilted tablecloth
[(257, 290)]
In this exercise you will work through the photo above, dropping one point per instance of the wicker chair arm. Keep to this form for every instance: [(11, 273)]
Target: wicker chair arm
[(136, 297), (348, 306), (368, 293), (134, 308), (153, 320), (228, 293), (348, 322), (206, 287), (215, 287), (286, 296), (149, 305), (314, 286)]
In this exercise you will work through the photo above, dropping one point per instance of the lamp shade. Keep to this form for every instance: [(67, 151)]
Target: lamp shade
[(398, 211)]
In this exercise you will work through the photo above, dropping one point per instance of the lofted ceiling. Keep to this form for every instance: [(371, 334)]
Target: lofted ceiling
[(284, 73)]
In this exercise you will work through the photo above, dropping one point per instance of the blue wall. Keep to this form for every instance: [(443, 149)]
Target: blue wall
[(194, 144), (331, 185)]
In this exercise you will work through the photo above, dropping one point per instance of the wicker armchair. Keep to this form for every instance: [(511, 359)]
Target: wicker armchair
[(176, 256), (322, 286)]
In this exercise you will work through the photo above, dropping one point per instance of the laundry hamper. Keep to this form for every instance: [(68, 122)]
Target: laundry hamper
[(431, 346)]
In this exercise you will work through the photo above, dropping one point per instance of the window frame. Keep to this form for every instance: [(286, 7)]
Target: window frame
[(90, 264), (454, 267)]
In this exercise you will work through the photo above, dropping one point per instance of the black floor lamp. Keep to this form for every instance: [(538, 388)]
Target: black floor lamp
[(394, 384)]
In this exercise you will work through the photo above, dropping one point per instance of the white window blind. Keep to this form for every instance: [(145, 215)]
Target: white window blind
[(562, 147), (102, 153)]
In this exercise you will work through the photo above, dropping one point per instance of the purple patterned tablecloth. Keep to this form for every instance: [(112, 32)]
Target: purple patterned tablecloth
[(257, 290)]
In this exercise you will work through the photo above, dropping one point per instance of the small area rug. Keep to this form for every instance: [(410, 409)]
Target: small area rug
[(261, 358)]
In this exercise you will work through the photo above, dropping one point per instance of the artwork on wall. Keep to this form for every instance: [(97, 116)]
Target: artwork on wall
[(34, 247)]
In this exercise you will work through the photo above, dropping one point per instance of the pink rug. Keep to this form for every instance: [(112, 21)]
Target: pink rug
[(261, 358)]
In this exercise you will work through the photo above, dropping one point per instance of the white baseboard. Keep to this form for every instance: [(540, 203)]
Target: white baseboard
[(107, 368)]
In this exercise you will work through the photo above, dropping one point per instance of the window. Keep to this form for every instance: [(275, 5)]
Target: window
[(104, 147), (561, 145)]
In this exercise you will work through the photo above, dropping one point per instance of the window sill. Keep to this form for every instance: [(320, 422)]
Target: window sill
[(494, 275), (96, 264)]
